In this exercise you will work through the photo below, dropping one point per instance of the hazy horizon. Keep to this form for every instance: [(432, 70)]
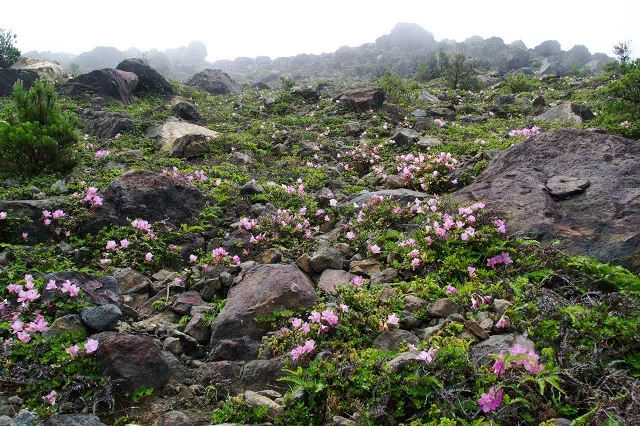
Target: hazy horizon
[(285, 28)]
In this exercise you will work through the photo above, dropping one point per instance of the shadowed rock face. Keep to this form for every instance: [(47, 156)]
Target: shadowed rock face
[(214, 81), (143, 194), (150, 81), (106, 82), (263, 289), (582, 187)]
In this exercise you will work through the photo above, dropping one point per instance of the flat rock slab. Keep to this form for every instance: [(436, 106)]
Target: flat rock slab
[(562, 187), (181, 139)]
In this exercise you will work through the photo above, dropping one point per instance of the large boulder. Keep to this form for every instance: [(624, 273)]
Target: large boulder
[(149, 80), (31, 209), (214, 81), (363, 99), (135, 360), (262, 290), (106, 125), (74, 420), (182, 140), (566, 112), (101, 290), (106, 82), (548, 48), (147, 195), (51, 70), (8, 78), (576, 185)]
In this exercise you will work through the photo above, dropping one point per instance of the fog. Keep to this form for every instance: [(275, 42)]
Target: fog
[(286, 27)]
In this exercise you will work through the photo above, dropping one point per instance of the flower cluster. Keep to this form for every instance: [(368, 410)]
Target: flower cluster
[(221, 257), (198, 175), (92, 197), (526, 132)]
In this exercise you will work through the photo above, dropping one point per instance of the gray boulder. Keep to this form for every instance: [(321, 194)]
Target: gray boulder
[(149, 80), (182, 140), (101, 318), (106, 125), (216, 82)]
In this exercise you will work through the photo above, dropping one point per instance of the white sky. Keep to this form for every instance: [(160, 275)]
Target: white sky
[(288, 27)]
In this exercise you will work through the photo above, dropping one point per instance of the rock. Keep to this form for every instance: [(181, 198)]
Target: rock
[(428, 332), (548, 48), (442, 308), (236, 241), (270, 255), (173, 418), (428, 97), (252, 187), (182, 140), (304, 263), (413, 303), (67, 324), (562, 187), (186, 301), (516, 184), (239, 349), (101, 318), (131, 281), (392, 340), (241, 158), (101, 290), (441, 112), (262, 289), (134, 359), (9, 77), (326, 257), (51, 70), (401, 195), (74, 420), (385, 276), (501, 305), (366, 267), (404, 136), (105, 82), (402, 359), (476, 329), (215, 82), (307, 93), (5, 420), (260, 85), (25, 418), (59, 187), (185, 110), (149, 80), (31, 209), (428, 142), (353, 128), (262, 373), (198, 328), (127, 155), (253, 399), (150, 196), (480, 353), (173, 345), (538, 102), (330, 278), (566, 111), (324, 197), (395, 182), (363, 99)]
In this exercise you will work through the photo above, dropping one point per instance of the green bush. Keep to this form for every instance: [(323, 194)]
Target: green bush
[(9, 54), (37, 135), (520, 82), (620, 114)]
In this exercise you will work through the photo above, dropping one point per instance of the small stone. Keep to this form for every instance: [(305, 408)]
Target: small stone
[(252, 187), (198, 328), (429, 332), (326, 257), (101, 318), (501, 305), (392, 340), (404, 136), (304, 263), (173, 418), (563, 187), (269, 393), (476, 329), (173, 345), (341, 421), (428, 142), (254, 399), (365, 267), (270, 255), (413, 303), (442, 308), (186, 301), (67, 324)]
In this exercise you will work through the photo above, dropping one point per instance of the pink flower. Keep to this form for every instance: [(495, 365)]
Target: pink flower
[(414, 253), (350, 235), (471, 270), (393, 319), (502, 323), (427, 356), (502, 228), (236, 260), (111, 245), (374, 249), (102, 153), (14, 288), (491, 400), (305, 327), (73, 350), (51, 397), (503, 258), (24, 235), (625, 124), (329, 317), (308, 347), (91, 346), (333, 202), (219, 252), (124, 243), (51, 285), (296, 322), (17, 325), (315, 317), (415, 263), (193, 258), (344, 308), (72, 289), (39, 325), (23, 336), (499, 367), (3, 215), (28, 296), (357, 281), (58, 214), (148, 257), (451, 290)]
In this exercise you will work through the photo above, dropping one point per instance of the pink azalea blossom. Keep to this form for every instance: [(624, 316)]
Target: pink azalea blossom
[(315, 317), (491, 401), (124, 243), (91, 346), (51, 397), (73, 350), (427, 356), (451, 290), (72, 289), (193, 258), (24, 336), (329, 317), (502, 323), (471, 270), (51, 285), (3, 215), (111, 245), (350, 235), (148, 257), (344, 308), (393, 319), (357, 281), (374, 249)]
